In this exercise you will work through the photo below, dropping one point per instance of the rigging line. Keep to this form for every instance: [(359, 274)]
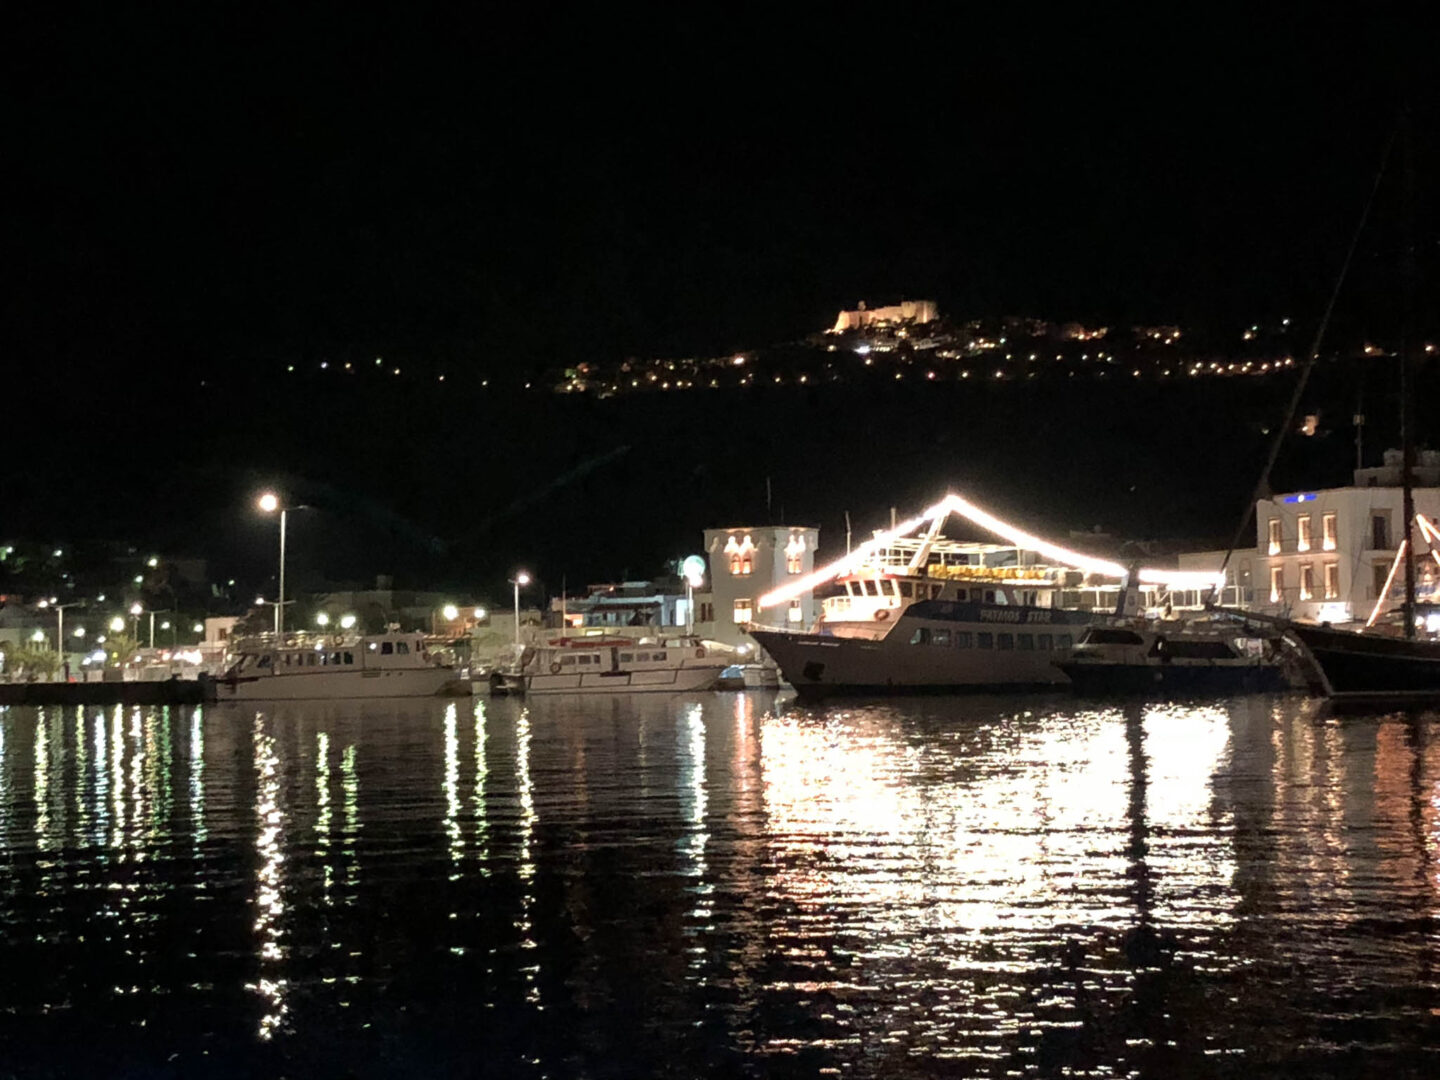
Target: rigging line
[(1262, 486)]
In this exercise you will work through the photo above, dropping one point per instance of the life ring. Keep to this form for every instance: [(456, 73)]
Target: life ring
[(555, 667), (882, 614), (700, 654)]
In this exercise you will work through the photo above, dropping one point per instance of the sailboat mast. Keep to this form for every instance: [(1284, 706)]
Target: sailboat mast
[(1407, 339)]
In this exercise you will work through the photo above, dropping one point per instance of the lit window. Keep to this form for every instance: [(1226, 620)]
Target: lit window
[(1307, 581), (1274, 536), (1302, 542), (1327, 531), (796, 614), (1332, 580), (795, 554), (741, 554), (1277, 583), (743, 611)]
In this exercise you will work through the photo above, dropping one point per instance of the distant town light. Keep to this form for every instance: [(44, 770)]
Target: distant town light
[(165, 625), (322, 619), (152, 562), (347, 621), (38, 635), (79, 631), (135, 608), (139, 579), (117, 624), (198, 628), (58, 552)]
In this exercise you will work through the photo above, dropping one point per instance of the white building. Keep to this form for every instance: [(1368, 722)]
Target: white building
[(1326, 555), (747, 562)]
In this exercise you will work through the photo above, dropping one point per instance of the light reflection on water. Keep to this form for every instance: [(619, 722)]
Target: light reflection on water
[(981, 886)]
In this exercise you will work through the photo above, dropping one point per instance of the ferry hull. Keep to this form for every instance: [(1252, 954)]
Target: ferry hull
[(1019, 650), (323, 685)]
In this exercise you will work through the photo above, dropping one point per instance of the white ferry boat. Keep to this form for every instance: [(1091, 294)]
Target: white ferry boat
[(610, 665), (929, 614), (311, 667)]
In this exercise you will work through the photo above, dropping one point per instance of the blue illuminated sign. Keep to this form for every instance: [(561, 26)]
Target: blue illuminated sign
[(1299, 498)]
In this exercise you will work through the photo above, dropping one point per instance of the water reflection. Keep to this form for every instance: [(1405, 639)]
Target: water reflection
[(646, 886)]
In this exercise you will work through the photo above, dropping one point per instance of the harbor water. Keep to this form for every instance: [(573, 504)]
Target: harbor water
[(723, 884)]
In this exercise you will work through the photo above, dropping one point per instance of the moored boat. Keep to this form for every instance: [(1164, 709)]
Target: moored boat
[(309, 667), (1174, 659), (618, 665)]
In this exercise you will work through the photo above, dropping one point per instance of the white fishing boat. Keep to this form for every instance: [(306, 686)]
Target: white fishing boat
[(309, 667), (614, 665), (1215, 659)]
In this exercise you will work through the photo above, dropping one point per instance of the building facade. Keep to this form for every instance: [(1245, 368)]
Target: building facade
[(1331, 555), (747, 562), (907, 311)]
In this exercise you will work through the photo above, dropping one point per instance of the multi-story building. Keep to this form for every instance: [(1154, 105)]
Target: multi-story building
[(1327, 555), (747, 562)]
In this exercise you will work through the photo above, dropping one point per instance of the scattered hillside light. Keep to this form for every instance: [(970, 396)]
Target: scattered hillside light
[(79, 631), (117, 624), (324, 364), (198, 628), (739, 361), (347, 622), (259, 601), (451, 612), (290, 368), (43, 604), (322, 619), (231, 582), (479, 613), (38, 635), (135, 608), (139, 579), (59, 552), (378, 361), (862, 350), (165, 625), (153, 561)]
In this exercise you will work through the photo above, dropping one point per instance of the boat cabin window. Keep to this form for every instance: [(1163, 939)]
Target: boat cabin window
[(871, 589), (1103, 635), (1025, 641), (962, 594), (964, 639), (935, 591), (1064, 641), (403, 648), (984, 640), (940, 637), (1005, 641), (852, 588), (921, 636), (349, 658), (1045, 642), (989, 596), (907, 588), (310, 659), (642, 657), (657, 656), (386, 648), (568, 661), (627, 657), (264, 661)]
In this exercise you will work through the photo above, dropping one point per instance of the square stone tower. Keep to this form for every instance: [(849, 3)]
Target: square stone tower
[(746, 562)]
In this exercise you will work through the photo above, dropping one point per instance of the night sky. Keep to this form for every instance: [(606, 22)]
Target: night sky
[(204, 196)]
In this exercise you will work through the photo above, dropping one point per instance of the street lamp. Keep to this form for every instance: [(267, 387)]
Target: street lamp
[(135, 610), (322, 620), (60, 619), (480, 614), (451, 612), (117, 624), (269, 503), (522, 578), (347, 622)]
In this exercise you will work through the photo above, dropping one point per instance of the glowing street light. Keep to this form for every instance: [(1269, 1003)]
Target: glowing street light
[(269, 503), (198, 628), (322, 619), (451, 612), (117, 624), (135, 611), (480, 614), (522, 578), (347, 622)]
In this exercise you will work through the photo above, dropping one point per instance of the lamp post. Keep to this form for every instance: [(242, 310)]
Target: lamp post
[(693, 570), (269, 503), (522, 578), (135, 610), (60, 619)]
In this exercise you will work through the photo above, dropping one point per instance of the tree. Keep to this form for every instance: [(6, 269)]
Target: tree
[(119, 647)]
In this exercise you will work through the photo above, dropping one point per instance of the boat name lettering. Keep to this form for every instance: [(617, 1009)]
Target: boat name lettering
[(1031, 616)]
